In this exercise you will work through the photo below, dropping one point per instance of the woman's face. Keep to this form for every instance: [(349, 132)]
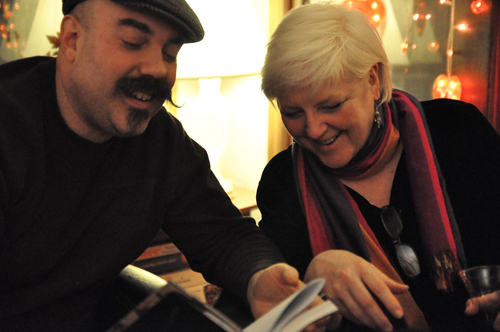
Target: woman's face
[(334, 123)]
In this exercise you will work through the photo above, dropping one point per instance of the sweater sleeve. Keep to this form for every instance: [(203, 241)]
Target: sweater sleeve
[(282, 217), (217, 241)]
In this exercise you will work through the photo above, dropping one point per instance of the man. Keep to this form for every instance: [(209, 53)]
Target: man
[(92, 166)]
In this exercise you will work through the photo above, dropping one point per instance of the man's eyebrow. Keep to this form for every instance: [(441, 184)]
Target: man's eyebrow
[(130, 22), (135, 24)]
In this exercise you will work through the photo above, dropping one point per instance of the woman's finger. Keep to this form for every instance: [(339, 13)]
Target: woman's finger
[(357, 304), (371, 310), (385, 295)]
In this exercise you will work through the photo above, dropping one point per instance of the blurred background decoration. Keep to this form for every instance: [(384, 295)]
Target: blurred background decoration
[(442, 48), (25, 25)]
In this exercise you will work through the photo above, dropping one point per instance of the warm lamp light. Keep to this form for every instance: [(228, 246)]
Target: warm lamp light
[(205, 119), (479, 6), (447, 87), (234, 42), (234, 45)]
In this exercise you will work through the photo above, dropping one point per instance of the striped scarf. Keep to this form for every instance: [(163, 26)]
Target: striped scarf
[(335, 221)]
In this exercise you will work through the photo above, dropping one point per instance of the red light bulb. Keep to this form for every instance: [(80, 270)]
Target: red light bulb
[(479, 6)]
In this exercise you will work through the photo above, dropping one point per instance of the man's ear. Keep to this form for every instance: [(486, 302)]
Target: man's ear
[(70, 31)]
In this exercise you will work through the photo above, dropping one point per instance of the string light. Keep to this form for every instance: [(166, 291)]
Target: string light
[(433, 46), (464, 26), (374, 9), (8, 34), (404, 46)]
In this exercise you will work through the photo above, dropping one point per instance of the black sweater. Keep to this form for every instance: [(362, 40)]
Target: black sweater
[(74, 213), (468, 151)]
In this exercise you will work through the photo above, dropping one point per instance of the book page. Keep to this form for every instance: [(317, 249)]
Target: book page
[(282, 314), (308, 317)]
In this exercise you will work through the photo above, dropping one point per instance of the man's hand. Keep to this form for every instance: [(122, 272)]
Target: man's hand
[(269, 287), (488, 303)]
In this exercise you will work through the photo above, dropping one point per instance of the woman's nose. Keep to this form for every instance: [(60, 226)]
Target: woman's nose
[(315, 126)]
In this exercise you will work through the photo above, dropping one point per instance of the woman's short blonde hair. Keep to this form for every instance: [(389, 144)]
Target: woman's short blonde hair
[(323, 43)]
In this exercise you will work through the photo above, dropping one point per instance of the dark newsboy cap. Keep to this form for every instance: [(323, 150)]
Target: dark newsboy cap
[(176, 12)]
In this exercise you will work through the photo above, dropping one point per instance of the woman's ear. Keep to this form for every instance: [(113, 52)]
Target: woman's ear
[(70, 30), (374, 81)]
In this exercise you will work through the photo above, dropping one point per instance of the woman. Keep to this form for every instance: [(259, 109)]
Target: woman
[(365, 179)]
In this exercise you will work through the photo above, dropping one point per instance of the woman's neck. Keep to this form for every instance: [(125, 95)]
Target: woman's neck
[(376, 188)]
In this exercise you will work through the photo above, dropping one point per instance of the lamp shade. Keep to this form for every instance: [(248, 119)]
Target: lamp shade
[(234, 42)]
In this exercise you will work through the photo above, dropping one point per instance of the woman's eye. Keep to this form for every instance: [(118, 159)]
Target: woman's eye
[(332, 107), (290, 115)]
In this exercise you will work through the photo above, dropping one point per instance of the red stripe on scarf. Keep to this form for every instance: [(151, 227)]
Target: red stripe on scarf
[(436, 242), (317, 232)]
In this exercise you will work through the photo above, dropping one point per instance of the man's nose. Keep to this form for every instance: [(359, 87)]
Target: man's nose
[(154, 64)]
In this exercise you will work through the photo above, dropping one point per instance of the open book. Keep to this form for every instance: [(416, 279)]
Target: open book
[(167, 309)]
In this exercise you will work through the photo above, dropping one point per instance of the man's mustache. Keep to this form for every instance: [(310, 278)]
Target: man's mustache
[(145, 83)]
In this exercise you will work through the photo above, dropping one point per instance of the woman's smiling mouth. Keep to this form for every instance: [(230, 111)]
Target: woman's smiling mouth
[(329, 141)]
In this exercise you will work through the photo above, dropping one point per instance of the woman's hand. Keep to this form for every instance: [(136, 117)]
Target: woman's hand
[(271, 286), (489, 303), (350, 283)]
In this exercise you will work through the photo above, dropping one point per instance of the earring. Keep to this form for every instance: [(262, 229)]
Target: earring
[(377, 118)]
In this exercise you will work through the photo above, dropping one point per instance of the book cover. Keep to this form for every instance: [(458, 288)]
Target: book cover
[(161, 259)]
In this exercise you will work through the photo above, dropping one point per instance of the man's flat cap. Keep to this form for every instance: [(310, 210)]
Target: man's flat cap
[(176, 12)]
